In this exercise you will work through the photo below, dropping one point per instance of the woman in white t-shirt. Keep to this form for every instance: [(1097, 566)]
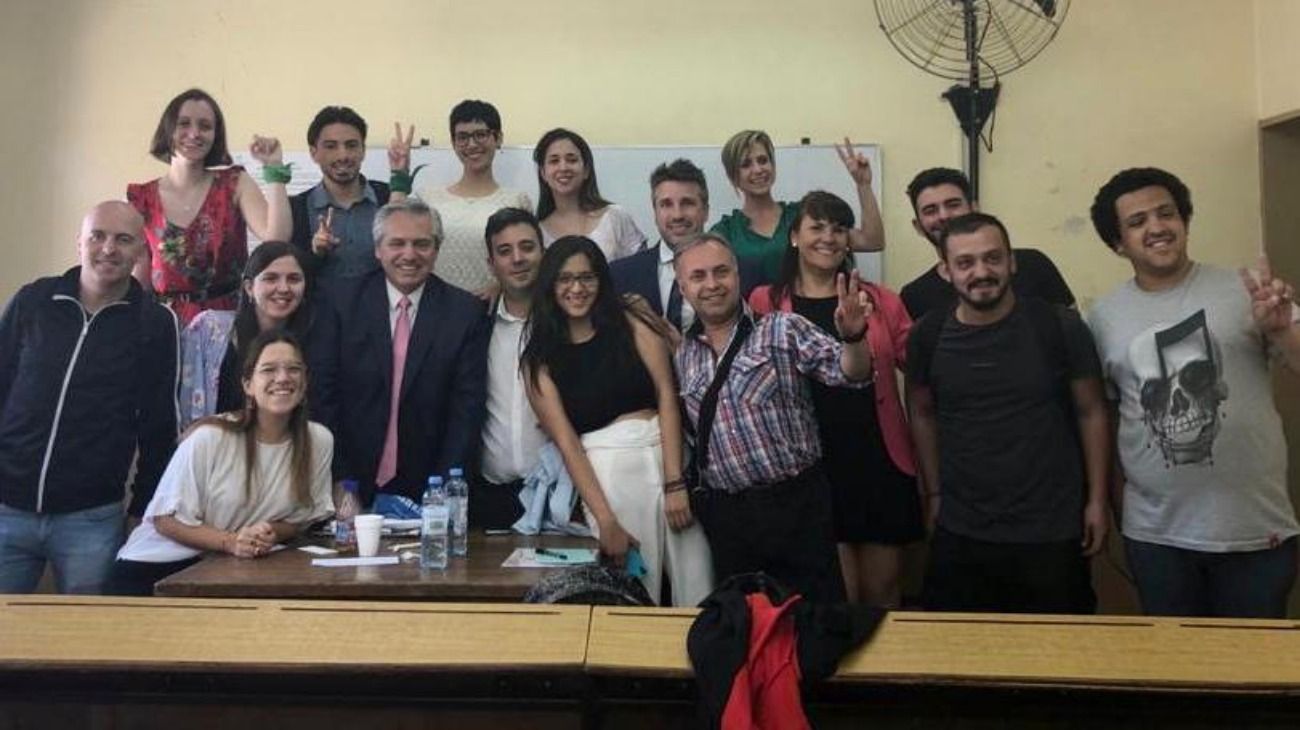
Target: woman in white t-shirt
[(239, 483), (466, 204), (569, 202)]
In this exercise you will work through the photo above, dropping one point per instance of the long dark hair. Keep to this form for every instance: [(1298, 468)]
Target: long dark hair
[(246, 327), (588, 195), (245, 422), (161, 145), (547, 329), (817, 205)]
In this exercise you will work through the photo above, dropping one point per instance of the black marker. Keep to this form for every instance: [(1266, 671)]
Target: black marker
[(550, 553)]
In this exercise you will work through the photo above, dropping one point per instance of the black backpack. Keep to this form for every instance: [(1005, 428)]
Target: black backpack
[(590, 585)]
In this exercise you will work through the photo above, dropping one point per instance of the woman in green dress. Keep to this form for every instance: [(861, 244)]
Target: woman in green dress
[(759, 231)]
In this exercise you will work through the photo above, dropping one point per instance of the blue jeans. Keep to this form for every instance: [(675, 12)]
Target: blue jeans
[(80, 545), (1177, 582)]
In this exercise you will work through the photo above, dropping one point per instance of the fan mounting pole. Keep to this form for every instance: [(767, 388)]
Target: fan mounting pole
[(972, 105)]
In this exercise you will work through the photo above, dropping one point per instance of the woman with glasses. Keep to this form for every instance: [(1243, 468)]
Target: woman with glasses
[(569, 201), (239, 483), (599, 378), (466, 204)]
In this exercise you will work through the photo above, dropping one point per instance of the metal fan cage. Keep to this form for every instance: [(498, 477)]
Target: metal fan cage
[(931, 34)]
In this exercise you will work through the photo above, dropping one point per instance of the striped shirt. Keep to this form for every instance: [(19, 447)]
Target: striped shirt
[(765, 430)]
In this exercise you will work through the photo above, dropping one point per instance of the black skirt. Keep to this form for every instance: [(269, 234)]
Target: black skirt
[(873, 501)]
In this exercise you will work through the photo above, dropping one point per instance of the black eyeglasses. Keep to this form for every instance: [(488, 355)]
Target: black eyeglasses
[(478, 135)]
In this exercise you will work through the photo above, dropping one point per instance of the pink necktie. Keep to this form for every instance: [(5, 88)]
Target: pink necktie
[(401, 339)]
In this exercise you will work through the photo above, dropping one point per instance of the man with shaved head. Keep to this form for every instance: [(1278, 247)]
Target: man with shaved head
[(88, 366)]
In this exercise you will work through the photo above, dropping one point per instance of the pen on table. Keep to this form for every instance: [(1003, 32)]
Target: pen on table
[(550, 553)]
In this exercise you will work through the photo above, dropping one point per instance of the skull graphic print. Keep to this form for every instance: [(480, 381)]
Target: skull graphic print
[(1180, 377)]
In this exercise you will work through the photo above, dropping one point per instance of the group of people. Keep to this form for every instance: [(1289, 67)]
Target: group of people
[(722, 401)]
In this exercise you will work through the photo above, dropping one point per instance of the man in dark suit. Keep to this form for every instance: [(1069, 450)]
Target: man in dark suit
[(412, 359), (680, 197)]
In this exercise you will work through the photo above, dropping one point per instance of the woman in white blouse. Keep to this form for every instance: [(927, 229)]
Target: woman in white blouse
[(466, 204), (569, 202), (239, 483)]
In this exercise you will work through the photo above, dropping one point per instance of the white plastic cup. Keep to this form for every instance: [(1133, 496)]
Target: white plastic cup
[(368, 529)]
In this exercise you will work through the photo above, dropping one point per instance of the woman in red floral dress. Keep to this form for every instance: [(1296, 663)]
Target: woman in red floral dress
[(195, 215)]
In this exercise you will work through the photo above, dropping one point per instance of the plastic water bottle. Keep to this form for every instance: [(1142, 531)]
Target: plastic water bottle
[(434, 518), (345, 533), (458, 495)]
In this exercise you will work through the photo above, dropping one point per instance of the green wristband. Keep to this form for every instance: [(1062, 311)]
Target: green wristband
[(399, 181), (277, 173)]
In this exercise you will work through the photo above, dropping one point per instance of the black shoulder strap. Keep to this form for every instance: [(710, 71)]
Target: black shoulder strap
[(1045, 318), (926, 333), (709, 405)]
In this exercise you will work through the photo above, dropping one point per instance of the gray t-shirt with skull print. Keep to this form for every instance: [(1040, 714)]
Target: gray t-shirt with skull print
[(1199, 437)]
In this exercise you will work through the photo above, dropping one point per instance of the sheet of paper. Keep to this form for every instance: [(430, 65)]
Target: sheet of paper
[(528, 558), (350, 562)]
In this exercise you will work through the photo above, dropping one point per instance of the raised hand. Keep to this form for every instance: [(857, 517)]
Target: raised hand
[(266, 150), (1271, 299), (854, 307), (856, 163), (399, 148), (325, 241)]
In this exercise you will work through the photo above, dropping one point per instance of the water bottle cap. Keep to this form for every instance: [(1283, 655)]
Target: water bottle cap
[(457, 472), (350, 485), (435, 480)]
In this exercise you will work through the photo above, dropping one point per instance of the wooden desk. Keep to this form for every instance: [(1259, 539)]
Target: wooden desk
[(76, 662), (290, 574), (982, 671), (1205, 655)]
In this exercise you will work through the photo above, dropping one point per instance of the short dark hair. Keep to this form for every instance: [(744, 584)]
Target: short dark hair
[(506, 217), (474, 110), (683, 171), (161, 146), (1105, 219), (937, 176), (334, 115), (967, 224)]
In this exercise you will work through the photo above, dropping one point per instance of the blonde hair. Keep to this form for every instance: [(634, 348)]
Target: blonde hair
[(736, 147)]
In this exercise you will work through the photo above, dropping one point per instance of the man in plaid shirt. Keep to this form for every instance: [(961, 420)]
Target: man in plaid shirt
[(759, 489)]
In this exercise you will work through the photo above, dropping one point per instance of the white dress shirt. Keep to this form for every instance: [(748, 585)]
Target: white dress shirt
[(666, 278), (511, 434)]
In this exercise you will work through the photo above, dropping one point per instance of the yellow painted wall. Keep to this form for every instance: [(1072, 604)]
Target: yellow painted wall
[(1127, 82), (1277, 54)]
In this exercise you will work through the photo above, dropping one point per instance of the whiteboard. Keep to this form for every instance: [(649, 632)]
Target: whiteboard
[(623, 174)]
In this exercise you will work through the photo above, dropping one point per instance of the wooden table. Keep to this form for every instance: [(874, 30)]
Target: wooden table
[(290, 574), (98, 661)]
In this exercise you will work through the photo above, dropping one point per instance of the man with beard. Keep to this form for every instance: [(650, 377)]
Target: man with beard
[(680, 198), (512, 436), (940, 194), (1009, 419), (333, 219), (1208, 525)]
